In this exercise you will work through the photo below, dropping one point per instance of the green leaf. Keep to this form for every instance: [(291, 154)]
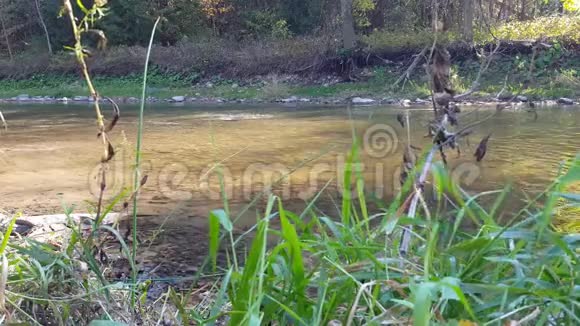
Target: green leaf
[(422, 304), (469, 246), (214, 235), (346, 191), (332, 226), (287, 309), (7, 235), (447, 291), (223, 218), (451, 290), (217, 307), (514, 234), (242, 292), (289, 234)]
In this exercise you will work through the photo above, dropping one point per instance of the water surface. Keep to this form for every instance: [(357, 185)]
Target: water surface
[(49, 156)]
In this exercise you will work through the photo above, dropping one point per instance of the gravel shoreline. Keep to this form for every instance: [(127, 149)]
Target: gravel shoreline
[(292, 100)]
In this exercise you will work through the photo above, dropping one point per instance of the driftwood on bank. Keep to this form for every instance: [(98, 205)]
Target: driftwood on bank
[(45, 228)]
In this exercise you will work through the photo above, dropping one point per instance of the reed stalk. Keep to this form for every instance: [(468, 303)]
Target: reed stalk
[(137, 181)]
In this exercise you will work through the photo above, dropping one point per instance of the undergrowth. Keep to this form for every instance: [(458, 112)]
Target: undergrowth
[(557, 76)]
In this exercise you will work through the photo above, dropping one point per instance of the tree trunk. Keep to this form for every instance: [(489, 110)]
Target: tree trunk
[(467, 26), (509, 8), (348, 35), (37, 3), (523, 10), (6, 36), (500, 14)]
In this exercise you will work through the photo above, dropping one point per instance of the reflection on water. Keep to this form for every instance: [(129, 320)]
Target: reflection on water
[(50, 154)]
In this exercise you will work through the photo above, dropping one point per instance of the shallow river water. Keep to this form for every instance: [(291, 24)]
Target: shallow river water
[(49, 154)]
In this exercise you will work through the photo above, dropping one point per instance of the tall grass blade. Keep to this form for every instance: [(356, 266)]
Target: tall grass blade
[(289, 234), (346, 189), (217, 218), (4, 275), (138, 158), (242, 293), (422, 304), (217, 307), (7, 233), (214, 239)]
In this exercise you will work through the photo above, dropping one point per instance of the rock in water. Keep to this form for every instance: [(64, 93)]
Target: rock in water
[(23, 97), (565, 101), (406, 102), (22, 227), (291, 99), (521, 98), (362, 101), (178, 99)]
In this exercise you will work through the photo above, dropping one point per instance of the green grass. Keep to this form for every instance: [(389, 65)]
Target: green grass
[(320, 270), (166, 87), (556, 75)]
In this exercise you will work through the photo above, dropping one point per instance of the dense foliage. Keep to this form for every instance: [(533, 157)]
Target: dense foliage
[(23, 21)]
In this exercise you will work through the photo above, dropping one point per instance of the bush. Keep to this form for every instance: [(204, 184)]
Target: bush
[(281, 30), (204, 57), (565, 29)]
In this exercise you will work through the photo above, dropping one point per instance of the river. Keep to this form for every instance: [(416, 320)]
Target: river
[(49, 155)]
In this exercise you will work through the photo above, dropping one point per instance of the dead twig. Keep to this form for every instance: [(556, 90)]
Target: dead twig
[(488, 59), (407, 74), (526, 319), (406, 236), (504, 86)]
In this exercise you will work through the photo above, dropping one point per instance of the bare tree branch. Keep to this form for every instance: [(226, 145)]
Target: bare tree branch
[(418, 187), (407, 74), (482, 69), (37, 3), (5, 32)]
